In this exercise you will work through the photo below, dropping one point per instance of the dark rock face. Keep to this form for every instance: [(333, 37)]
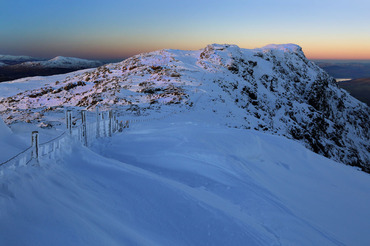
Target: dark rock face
[(311, 107)]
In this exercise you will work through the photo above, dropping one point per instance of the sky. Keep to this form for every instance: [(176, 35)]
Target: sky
[(113, 29)]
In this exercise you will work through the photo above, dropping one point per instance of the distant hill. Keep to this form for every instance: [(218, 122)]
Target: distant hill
[(63, 62), (12, 60), (358, 88), (15, 67)]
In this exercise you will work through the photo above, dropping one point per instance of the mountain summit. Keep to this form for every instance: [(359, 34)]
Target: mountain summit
[(274, 89)]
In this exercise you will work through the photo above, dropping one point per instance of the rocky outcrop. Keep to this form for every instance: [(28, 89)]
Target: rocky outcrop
[(273, 89)]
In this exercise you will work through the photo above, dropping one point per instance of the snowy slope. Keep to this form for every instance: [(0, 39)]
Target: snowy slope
[(185, 181), (4, 129), (2, 64), (11, 88), (10, 144), (64, 62), (272, 89)]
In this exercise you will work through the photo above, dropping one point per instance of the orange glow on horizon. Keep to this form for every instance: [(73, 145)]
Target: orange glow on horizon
[(124, 48), (337, 51), (334, 54)]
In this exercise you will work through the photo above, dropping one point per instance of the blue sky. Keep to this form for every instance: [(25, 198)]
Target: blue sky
[(114, 29)]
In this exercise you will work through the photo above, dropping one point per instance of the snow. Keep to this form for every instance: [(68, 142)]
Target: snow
[(11, 88), (65, 62), (16, 58), (202, 173), (4, 130), (273, 89), (2, 64), (185, 180), (284, 47), (10, 144)]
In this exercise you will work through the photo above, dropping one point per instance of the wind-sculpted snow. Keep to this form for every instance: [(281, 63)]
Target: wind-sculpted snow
[(185, 181), (273, 89)]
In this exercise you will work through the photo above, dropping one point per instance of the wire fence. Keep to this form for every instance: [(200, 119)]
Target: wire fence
[(105, 125)]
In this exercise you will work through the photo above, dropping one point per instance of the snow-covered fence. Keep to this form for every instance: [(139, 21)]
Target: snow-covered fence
[(105, 125)]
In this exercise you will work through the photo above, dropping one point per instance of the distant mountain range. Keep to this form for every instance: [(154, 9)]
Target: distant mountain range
[(11, 60), (14, 67), (63, 62)]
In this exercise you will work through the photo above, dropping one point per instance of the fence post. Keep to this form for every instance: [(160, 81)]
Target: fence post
[(69, 121), (97, 122), (115, 123), (110, 123), (104, 125), (35, 145), (84, 130)]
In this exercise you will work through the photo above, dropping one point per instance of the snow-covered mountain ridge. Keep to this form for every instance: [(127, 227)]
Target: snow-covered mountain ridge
[(10, 58), (273, 89), (63, 62), (56, 62)]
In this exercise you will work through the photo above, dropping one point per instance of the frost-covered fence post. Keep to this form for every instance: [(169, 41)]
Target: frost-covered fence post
[(66, 119), (112, 122), (35, 145), (110, 115), (69, 121), (104, 127), (84, 130), (115, 122), (97, 122)]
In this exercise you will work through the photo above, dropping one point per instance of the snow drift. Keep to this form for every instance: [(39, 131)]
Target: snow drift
[(4, 129), (10, 144), (180, 181)]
